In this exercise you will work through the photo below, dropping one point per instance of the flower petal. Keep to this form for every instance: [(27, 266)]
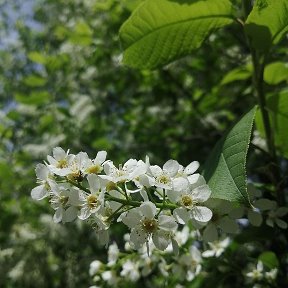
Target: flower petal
[(171, 167), (70, 214), (138, 237), (39, 192), (100, 157), (201, 213), (181, 215), (148, 209), (132, 218), (201, 193), (167, 223), (161, 240), (192, 167)]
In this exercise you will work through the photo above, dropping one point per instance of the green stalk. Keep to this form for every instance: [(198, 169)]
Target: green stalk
[(259, 62)]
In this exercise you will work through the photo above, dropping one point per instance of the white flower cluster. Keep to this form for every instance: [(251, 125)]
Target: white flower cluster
[(123, 268), (149, 199)]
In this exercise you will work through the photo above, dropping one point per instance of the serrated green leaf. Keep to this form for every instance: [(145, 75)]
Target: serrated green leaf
[(225, 168), (277, 106), (269, 259), (276, 72), (161, 31), (267, 23)]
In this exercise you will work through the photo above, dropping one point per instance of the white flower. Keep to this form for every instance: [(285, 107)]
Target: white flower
[(163, 178), (271, 275), (131, 170), (113, 254), (110, 277), (188, 265), (256, 274), (60, 161), (65, 202), (189, 198), (95, 166), (91, 202), (188, 171), (144, 226), (130, 270), (217, 248), (44, 178), (95, 267)]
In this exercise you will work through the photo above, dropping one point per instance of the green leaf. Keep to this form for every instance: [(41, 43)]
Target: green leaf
[(241, 73), (225, 168), (34, 81), (161, 31), (34, 98), (277, 106), (267, 23), (37, 57), (269, 259), (276, 72)]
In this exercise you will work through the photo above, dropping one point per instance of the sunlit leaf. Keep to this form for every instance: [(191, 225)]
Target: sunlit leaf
[(276, 72), (267, 23), (225, 169), (161, 31)]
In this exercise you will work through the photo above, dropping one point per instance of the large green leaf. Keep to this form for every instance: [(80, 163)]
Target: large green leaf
[(225, 168), (161, 31), (277, 105), (275, 73), (267, 23)]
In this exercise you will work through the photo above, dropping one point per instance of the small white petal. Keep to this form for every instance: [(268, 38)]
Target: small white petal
[(192, 167), (58, 215), (180, 184), (201, 193), (181, 215), (201, 213), (138, 237), (39, 192), (70, 214), (94, 183), (148, 209), (155, 170), (144, 195), (160, 240), (173, 196), (59, 153), (42, 171), (167, 223), (171, 167), (132, 218), (84, 213), (100, 157)]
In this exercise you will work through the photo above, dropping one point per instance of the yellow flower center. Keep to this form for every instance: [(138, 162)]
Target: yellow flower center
[(187, 201), (94, 169), (163, 179), (149, 225), (62, 163), (92, 201), (63, 200)]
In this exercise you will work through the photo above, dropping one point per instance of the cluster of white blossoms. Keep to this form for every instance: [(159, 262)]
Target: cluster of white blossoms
[(151, 200), (123, 268)]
